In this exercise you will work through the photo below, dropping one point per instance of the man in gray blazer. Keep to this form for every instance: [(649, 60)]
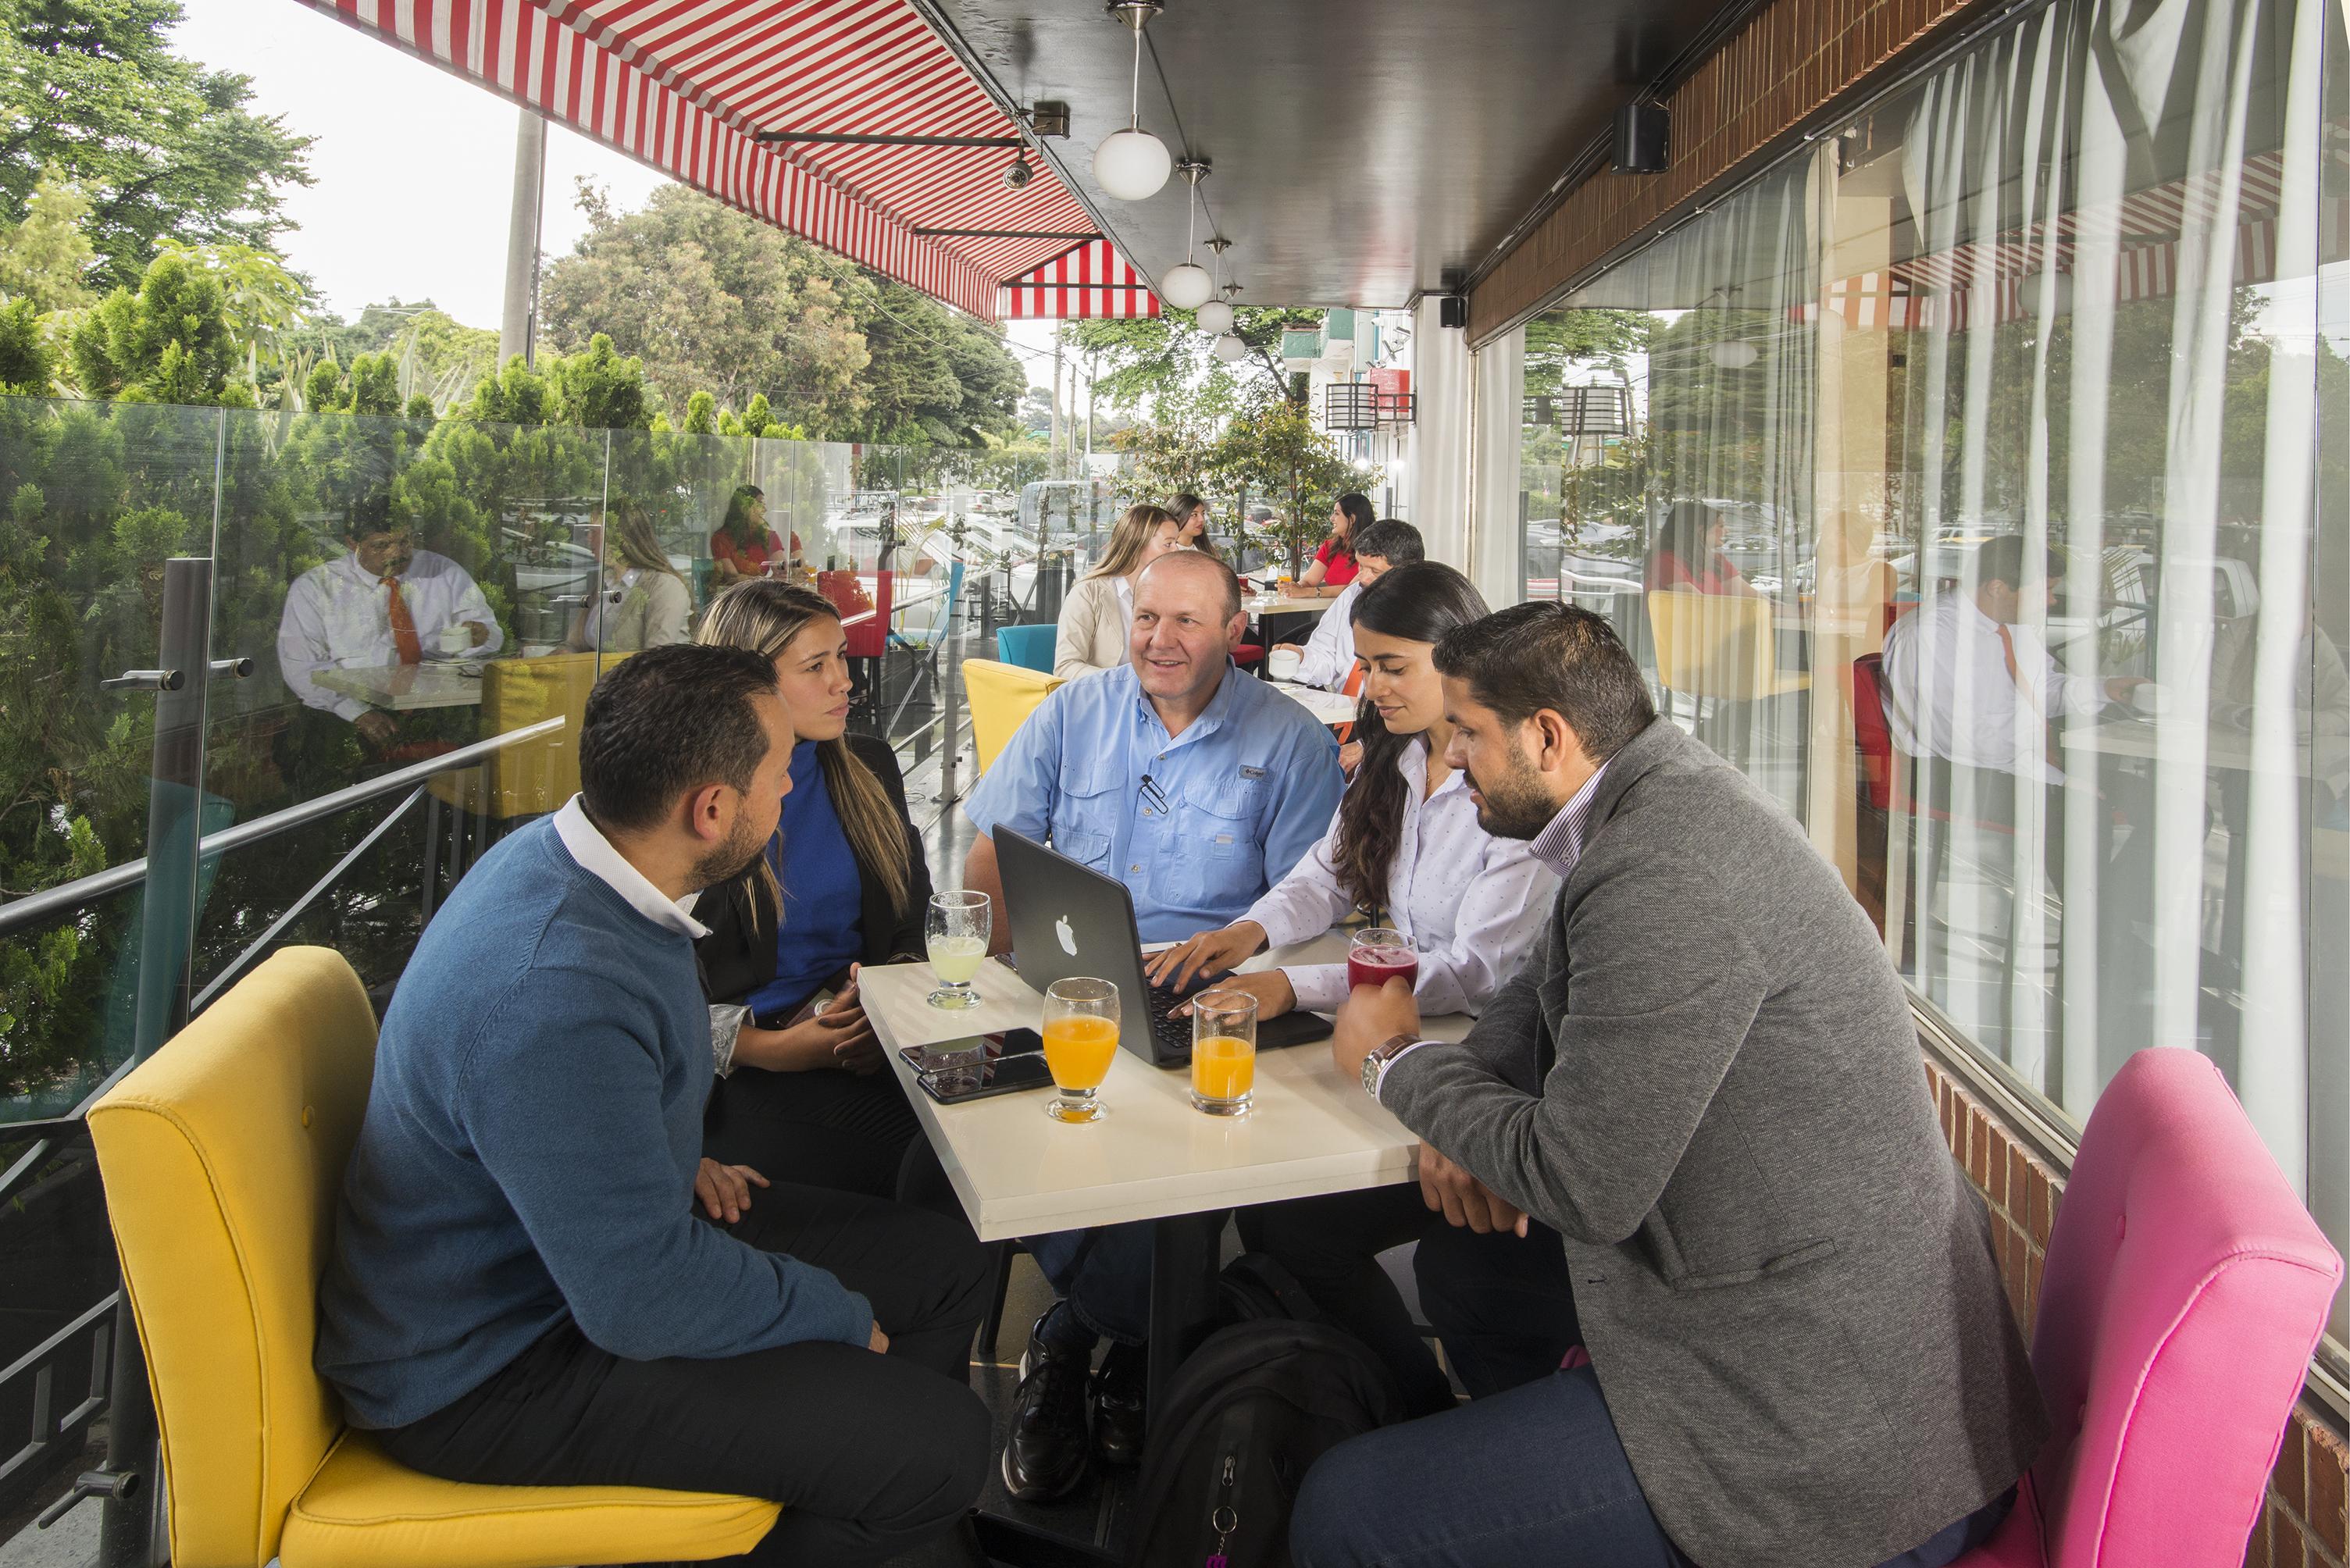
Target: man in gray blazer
[(1706, 1081)]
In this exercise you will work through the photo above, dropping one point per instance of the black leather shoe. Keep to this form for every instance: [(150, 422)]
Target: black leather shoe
[(1118, 1404), (1044, 1458)]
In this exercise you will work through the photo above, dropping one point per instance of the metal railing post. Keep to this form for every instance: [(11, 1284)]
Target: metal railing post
[(166, 956)]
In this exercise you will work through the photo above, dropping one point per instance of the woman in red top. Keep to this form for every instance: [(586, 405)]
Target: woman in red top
[(1333, 563), (1686, 554), (744, 546)]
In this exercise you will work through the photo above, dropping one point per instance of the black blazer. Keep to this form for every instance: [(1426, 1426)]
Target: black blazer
[(738, 956)]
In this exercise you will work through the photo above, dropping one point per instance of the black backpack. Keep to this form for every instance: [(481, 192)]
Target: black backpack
[(1244, 1417)]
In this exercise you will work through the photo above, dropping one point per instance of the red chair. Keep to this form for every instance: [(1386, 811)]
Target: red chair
[(2183, 1291)]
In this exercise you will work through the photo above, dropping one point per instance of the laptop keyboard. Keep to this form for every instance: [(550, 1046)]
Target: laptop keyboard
[(1173, 1034)]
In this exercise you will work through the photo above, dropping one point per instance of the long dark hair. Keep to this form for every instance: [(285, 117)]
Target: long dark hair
[(737, 524), (1686, 533), (1359, 516), (1419, 603)]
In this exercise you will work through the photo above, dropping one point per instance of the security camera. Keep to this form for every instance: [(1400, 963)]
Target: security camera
[(1019, 175)]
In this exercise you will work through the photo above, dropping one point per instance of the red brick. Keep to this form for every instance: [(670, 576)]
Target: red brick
[(2018, 1177), (1996, 1187), (2286, 1549), (2289, 1470), (1981, 1146), (2326, 1459), (2040, 1202), (2031, 1267), (2256, 1545)]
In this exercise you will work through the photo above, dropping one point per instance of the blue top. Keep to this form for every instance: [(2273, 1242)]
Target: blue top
[(821, 930), (1236, 799), (529, 1156)]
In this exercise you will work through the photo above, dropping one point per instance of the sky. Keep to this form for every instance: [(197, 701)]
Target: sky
[(414, 168)]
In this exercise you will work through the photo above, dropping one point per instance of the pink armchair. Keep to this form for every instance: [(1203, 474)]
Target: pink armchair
[(2184, 1290)]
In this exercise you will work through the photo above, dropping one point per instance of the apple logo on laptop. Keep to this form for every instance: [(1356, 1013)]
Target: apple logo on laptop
[(1068, 938)]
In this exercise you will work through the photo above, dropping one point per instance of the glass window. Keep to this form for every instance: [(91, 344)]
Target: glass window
[(1976, 481)]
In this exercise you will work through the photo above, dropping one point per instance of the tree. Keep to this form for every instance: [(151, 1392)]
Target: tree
[(91, 94), (1149, 358), (27, 367), (47, 259), (168, 343)]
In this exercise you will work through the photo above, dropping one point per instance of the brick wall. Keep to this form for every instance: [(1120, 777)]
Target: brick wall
[(1782, 68), (2303, 1526)]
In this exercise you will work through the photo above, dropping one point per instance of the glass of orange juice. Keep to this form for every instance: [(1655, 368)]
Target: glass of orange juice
[(1080, 1041), (1223, 1052)]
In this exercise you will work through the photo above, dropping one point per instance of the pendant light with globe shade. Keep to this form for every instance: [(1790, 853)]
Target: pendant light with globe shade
[(1188, 287), (1215, 317), (1131, 165)]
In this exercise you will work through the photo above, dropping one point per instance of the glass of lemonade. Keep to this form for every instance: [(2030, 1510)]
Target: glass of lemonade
[(1223, 1052), (1080, 1041), (958, 925)]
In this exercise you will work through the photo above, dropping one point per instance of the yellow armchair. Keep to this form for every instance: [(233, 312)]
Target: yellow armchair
[(1001, 697), (222, 1156)]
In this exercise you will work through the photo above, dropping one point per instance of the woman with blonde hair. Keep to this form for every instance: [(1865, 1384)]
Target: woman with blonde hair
[(1099, 612), (645, 603), (843, 883)]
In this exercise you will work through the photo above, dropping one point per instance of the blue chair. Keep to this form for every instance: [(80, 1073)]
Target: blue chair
[(1029, 646)]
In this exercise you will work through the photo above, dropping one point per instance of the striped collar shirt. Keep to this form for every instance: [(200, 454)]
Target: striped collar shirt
[(1560, 844)]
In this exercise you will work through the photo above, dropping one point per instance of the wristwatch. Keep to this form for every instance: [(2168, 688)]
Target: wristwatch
[(1385, 1052)]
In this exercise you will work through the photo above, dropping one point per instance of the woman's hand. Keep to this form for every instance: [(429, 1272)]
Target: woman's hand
[(725, 1190), (840, 1036), (1350, 757), (1210, 951), (1275, 995)]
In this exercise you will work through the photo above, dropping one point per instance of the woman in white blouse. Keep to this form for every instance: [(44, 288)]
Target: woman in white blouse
[(1404, 847), (1099, 612)]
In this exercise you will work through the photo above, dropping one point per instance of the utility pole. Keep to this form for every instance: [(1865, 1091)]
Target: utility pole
[(1056, 396), (517, 326), (1089, 411)]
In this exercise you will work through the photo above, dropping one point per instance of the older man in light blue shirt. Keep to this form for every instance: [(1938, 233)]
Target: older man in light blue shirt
[(1199, 788), (1196, 785)]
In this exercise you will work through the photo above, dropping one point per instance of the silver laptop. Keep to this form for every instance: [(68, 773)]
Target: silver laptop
[(1068, 919)]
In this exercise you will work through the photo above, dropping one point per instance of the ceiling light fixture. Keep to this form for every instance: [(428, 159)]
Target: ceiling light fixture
[(1130, 165), (1215, 317), (1228, 348), (1734, 353), (1188, 287)]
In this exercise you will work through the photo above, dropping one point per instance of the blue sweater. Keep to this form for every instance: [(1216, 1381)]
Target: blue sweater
[(529, 1151)]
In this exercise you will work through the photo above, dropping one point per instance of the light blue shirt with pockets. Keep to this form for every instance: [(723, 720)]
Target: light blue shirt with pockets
[(1232, 803)]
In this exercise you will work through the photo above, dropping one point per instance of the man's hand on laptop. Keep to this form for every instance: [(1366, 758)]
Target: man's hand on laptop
[(1209, 952), (725, 1190), (1462, 1199)]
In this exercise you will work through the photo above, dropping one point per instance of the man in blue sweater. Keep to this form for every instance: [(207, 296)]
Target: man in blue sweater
[(521, 1292)]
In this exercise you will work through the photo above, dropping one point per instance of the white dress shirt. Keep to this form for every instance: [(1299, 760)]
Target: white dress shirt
[(1469, 903), (1948, 692), (339, 616), (585, 843), (1330, 652)]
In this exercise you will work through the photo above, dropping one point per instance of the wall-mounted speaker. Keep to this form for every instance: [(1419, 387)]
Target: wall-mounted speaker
[(1452, 310), (1640, 137)]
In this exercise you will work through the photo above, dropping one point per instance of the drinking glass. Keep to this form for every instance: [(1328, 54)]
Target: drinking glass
[(1380, 955), (1223, 1052), (1080, 1041), (958, 925)]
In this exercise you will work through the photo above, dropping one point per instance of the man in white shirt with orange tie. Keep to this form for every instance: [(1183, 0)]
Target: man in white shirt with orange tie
[(1970, 690), (385, 602)]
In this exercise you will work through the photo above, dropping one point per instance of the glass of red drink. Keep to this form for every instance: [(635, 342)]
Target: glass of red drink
[(1380, 955)]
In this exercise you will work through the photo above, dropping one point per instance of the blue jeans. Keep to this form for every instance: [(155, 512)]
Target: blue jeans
[(1534, 1475), (1103, 1275)]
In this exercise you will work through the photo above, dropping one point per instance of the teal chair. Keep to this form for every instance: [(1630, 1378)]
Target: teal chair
[(1029, 646)]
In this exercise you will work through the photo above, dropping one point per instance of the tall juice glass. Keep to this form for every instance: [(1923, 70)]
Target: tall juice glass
[(958, 925), (1223, 1052), (1380, 955), (1080, 1041)]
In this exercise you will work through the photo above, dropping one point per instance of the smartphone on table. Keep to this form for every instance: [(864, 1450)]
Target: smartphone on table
[(979, 1066)]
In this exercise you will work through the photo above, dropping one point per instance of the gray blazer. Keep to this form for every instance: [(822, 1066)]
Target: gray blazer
[(1707, 1080)]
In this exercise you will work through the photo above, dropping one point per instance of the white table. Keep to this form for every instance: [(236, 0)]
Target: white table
[(1327, 707), (2223, 747), (1020, 1173), (405, 687), (1261, 605)]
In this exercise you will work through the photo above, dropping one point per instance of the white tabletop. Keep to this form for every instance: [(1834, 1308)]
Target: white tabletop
[(1270, 604), (2146, 738), (1327, 707), (404, 687), (1020, 1173)]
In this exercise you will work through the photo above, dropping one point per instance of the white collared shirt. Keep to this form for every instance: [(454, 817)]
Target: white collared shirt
[(587, 845), (1469, 903), (1330, 652), (1125, 605), (339, 616), (1948, 692)]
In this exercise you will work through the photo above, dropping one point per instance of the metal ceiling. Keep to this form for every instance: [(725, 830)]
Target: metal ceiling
[(1362, 149)]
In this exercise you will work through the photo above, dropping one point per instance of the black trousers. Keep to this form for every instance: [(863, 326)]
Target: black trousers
[(823, 1128), (870, 1455), (1502, 1305)]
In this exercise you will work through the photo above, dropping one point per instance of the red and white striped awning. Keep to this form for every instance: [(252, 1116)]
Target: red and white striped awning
[(683, 86), (1083, 281)]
